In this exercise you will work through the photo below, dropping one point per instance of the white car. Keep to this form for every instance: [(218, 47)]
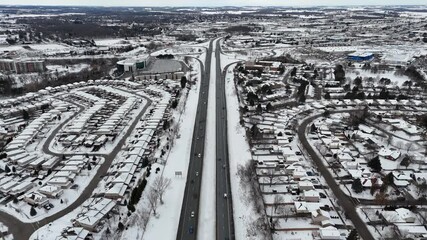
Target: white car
[(192, 214), (225, 195)]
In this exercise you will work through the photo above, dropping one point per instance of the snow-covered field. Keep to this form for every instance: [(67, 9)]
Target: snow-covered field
[(239, 155), (395, 79)]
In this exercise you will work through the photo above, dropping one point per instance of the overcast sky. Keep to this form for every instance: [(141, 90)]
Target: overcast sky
[(211, 2)]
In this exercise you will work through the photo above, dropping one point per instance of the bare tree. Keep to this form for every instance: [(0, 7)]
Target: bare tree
[(160, 185), (270, 175), (278, 199), (153, 198), (409, 146)]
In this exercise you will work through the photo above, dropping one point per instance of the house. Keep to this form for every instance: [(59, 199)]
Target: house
[(51, 191), (35, 199), (401, 180), (389, 154), (345, 157), (311, 196), (94, 212), (303, 207), (320, 217), (329, 233), (76, 233), (305, 185), (118, 190), (63, 182), (412, 231), (400, 215), (21, 187)]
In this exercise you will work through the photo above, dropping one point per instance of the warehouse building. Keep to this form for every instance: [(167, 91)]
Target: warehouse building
[(360, 56)]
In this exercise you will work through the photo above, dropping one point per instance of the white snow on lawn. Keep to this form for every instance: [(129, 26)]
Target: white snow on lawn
[(207, 206), (71, 68)]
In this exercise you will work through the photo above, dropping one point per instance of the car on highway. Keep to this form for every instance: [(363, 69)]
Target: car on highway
[(191, 230), (199, 155), (192, 214), (225, 195), (197, 174)]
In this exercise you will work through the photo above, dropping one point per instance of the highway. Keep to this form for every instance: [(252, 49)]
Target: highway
[(224, 205), (187, 229)]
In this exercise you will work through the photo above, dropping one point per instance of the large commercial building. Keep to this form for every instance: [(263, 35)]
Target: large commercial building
[(131, 64), (360, 56), (22, 66)]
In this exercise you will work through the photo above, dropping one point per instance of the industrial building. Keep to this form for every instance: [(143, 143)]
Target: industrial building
[(360, 56), (131, 64), (22, 66)]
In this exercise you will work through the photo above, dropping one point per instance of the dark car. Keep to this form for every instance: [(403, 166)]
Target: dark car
[(191, 230)]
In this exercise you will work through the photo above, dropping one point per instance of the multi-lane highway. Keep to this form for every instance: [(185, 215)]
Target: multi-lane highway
[(187, 229), (224, 205), (188, 224)]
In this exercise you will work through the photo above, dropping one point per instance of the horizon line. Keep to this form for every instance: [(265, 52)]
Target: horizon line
[(212, 6)]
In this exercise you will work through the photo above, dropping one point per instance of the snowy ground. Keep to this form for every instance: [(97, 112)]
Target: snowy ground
[(395, 79), (62, 70), (166, 226), (239, 155)]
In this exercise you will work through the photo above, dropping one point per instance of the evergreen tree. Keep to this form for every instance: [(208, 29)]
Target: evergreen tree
[(353, 235), (357, 186), (183, 81), (33, 212), (375, 164)]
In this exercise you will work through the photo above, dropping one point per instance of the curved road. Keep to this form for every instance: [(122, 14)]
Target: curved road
[(23, 231), (345, 202), (348, 203)]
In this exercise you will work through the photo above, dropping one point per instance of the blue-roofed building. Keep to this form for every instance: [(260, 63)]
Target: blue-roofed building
[(360, 56)]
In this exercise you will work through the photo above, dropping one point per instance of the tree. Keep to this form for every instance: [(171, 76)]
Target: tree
[(183, 81), (421, 187), (375, 164), (33, 212), (353, 235), (406, 161), (381, 198), (25, 115), (294, 72), (278, 199), (153, 200), (339, 73), (269, 107), (357, 186), (259, 108), (120, 226), (357, 81), (327, 96), (255, 132), (313, 128), (160, 185)]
